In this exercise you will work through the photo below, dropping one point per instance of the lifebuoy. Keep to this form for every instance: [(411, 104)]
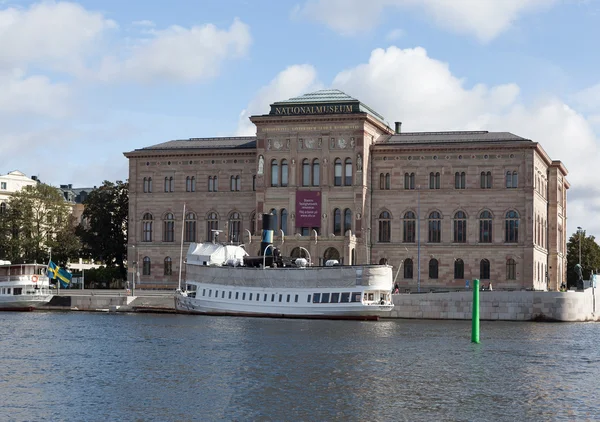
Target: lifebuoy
[(34, 278)]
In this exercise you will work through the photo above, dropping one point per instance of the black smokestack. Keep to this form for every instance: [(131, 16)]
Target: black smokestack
[(267, 234)]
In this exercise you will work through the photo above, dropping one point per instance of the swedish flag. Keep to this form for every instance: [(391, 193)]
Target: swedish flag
[(56, 272)]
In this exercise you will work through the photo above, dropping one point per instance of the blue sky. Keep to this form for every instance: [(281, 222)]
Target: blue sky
[(85, 81)]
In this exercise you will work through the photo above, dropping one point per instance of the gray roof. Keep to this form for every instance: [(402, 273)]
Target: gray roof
[(451, 137), (238, 142)]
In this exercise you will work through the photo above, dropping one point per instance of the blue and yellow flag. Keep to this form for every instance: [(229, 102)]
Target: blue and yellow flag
[(55, 272)]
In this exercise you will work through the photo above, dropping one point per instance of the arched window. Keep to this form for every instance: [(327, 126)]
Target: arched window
[(381, 181), (188, 184), (235, 227), (433, 268), (232, 183), (212, 223), (238, 183), (409, 226), (348, 173), (147, 227), (347, 221), (274, 213), (512, 179), (190, 227), (460, 180), (146, 266), (408, 268), (166, 184), (459, 269), (460, 227), (2, 207), (213, 185), (274, 173), (511, 269), (388, 181), (435, 227), (316, 172), (284, 222), (337, 222), (486, 180), (485, 227), (511, 227), (409, 180), (305, 172), (385, 227), (168, 266), (147, 184), (193, 184), (337, 172), (169, 228), (331, 253), (484, 269), (284, 173), (383, 261), (434, 180)]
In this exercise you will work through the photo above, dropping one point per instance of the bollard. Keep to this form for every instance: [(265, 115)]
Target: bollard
[(475, 313)]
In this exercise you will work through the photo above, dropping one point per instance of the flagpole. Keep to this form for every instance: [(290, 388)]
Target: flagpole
[(181, 249)]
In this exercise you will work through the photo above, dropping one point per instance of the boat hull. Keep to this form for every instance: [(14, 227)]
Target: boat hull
[(23, 304)]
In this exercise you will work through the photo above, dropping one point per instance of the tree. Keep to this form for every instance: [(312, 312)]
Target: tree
[(103, 231), (590, 257), (36, 218)]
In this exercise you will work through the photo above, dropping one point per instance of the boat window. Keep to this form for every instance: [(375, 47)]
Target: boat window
[(223, 294), (216, 293), (296, 299), (244, 296), (355, 296), (325, 298), (250, 298), (308, 299), (229, 295), (237, 295), (203, 292), (371, 296), (258, 297), (265, 299), (317, 298), (280, 297), (335, 297), (17, 291), (288, 298), (273, 297)]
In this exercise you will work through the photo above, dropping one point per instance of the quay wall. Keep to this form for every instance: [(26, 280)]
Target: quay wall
[(500, 305)]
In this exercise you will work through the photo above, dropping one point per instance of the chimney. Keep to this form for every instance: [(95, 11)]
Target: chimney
[(398, 127)]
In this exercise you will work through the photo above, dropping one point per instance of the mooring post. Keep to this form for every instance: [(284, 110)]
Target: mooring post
[(475, 313)]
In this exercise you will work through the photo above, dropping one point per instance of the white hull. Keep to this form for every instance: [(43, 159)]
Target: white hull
[(23, 287), (23, 302)]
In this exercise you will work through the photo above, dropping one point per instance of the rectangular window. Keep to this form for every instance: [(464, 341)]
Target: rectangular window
[(325, 298), (229, 295), (345, 297), (280, 298), (3, 185), (237, 295), (244, 296), (223, 294), (296, 299), (335, 297), (308, 299), (250, 298), (273, 298), (317, 298), (265, 299), (210, 293), (288, 298), (355, 296)]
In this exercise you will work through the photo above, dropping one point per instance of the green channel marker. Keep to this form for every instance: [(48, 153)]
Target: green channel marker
[(475, 317)]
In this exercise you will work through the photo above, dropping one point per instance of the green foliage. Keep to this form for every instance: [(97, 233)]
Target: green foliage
[(103, 277), (103, 231), (590, 257)]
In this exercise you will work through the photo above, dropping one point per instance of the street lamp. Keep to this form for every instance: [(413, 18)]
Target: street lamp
[(579, 233)]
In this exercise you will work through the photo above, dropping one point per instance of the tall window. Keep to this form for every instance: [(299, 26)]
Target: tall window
[(512, 179), (485, 227), (409, 180), (337, 172), (284, 218), (484, 269), (274, 173), (2, 207), (460, 180), (434, 180), (190, 227), (408, 226), (348, 172), (284, 173), (511, 234), (213, 184), (305, 172), (511, 269), (146, 266), (190, 184), (147, 227), (433, 268), (169, 184), (460, 227), (408, 268), (235, 227), (486, 180), (385, 181), (168, 266), (347, 221), (385, 229), (316, 172), (337, 222), (212, 223), (459, 269), (235, 183), (169, 228), (254, 182), (147, 184), (435, 227)]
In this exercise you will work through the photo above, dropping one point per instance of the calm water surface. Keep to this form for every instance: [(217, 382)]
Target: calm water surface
[(79, 366)]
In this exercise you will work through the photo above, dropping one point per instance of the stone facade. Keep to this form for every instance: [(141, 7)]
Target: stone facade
[(441, 207)]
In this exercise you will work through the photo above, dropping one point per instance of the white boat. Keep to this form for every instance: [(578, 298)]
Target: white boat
[(223, 280), (23, 287)]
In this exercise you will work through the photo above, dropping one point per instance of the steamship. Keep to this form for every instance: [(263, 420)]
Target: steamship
[(224, 280), (23, 287)]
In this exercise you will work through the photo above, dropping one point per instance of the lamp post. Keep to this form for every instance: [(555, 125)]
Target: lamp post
[(418, 239), (133, 273), (579, 232)]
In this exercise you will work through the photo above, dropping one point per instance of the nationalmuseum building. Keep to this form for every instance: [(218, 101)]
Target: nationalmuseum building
[(442, 208)]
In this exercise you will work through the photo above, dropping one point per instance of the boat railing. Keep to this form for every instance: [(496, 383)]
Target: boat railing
[(22, 277)]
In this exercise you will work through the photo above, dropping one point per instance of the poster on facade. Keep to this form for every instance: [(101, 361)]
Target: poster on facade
[(308, 208)]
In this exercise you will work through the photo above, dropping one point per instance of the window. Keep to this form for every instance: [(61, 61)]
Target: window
[(254, 182), (169, 228), (433, 268), (316, 172), (235, 227), (460, 180), (146, 266), (3, 185), (234, 183), (147, 227), (408, 268), (385, 181), (486, 180), (434, 180), (459, 269), (274, 173), (435, 227), (168, 266), (337, 172), (485, 227), (409, 225), (284, 173), (348, 173), (511, 269), (460, 227), (337, 222), (284, 218), (347, 221), (2, 207), (253, 223), (511, 227), (190, 227), (212, 223), (147, 184), (385, 227), (190, 184), (213, 185), (305, 172), (409, 180), (512, 179), (484, 269)]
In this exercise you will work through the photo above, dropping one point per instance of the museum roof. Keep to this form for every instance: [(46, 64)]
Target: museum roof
[(451, 137), (237, 142)]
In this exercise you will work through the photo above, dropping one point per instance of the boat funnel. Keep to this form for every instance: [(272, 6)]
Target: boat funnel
[(267, 234)]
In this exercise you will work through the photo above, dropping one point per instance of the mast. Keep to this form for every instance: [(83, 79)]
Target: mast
[(181, 249)]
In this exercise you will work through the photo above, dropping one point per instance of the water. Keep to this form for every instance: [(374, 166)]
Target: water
[(77, 366)]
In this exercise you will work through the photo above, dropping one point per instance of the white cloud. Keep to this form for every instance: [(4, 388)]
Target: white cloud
[(485, 19), (291, 82), (589, 98), (394, 34)]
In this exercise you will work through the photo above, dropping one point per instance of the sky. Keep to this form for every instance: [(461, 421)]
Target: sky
[(83, 82)]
